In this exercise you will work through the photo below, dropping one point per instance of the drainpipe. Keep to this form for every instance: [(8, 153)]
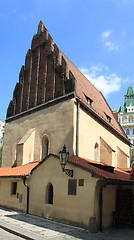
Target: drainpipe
[(77, 129), (24, 182), (101, 206)]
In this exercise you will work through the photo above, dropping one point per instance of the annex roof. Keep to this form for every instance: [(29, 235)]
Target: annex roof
[(102, 170), (18, 171), (97, 169)]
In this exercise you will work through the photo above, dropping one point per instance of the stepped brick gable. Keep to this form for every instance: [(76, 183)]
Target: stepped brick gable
[(48, 74), (44, 76)]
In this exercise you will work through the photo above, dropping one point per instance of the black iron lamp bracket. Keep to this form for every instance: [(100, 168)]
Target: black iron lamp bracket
[(63, 161), (69, 172)]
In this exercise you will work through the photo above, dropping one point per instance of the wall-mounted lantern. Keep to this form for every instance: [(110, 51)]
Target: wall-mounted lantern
[(63, 161)]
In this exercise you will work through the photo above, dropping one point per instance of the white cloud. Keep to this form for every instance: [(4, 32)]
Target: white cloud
[(109, 43), (112, 45), (106, 83), (106, 34)]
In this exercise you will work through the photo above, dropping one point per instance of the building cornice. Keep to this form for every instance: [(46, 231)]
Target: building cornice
[(41, 107)]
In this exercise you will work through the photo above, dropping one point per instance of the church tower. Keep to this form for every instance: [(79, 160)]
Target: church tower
[(126, 117)]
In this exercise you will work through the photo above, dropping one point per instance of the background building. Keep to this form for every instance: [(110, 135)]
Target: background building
[(2, 125), (126, 117)]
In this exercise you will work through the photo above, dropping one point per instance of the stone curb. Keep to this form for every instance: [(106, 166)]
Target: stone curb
[(19, 232)]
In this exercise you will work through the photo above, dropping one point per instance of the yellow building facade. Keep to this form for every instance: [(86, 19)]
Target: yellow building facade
[(76, 206)]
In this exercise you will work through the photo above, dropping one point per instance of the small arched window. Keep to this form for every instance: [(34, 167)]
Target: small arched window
[(96, 152), (49, 193), (45, 145)]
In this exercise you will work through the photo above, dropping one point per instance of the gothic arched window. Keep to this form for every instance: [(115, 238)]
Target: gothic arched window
[(96, 152), (49, 193), (45, 145)]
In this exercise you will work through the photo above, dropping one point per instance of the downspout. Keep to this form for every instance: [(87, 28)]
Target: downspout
[(77, 128), (101, 206), (101, 183), (24, 182)]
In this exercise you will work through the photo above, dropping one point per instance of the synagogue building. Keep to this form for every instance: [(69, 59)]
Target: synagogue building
[(86, 183)]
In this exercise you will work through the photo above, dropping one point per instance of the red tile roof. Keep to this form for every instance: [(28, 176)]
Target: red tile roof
[(126, 169), (117, 174), (99, 107), (99, 169), (18, 171)]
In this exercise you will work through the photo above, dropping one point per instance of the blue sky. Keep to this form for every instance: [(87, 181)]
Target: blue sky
[(96, 35)]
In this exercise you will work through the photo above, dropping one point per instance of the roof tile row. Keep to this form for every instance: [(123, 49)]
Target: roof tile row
[(99, 169)]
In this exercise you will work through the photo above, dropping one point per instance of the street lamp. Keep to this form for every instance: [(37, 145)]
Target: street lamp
[(63, 161)]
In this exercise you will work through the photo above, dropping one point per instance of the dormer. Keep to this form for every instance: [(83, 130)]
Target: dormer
[(25, 148), (89, 100), (108, 117)]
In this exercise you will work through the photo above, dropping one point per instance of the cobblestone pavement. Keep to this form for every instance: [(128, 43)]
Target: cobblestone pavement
[(32, 227)]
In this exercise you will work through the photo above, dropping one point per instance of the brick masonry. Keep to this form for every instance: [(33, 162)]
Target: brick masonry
[(44, 77)]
